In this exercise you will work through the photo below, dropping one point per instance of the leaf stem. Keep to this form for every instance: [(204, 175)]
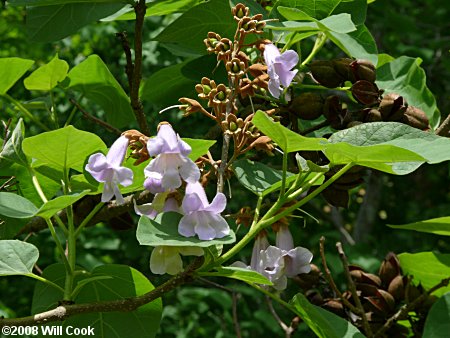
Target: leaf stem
[(46, 281), (26, 112), (320, 41), (88, 218)]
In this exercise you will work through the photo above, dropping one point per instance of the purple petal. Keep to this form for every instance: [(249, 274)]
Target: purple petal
[(189, 171), (288, 59), (154, 146), (108, 192), (284, 239), (124, 176), (204, 228), (171, 205), (274, 88), (171, 179), (191, 203), (185, 149), (145, 210), (218, 204), (261, 244), (220, 226), (298, 261), (271, 52), (153, 185), (186, 227), (285, 76), (197, 189), (118, 195), (117, 152), (166, 133)]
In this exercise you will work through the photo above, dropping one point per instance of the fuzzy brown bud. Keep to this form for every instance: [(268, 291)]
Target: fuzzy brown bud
[(416, 118), (364, 70), (365, 92)]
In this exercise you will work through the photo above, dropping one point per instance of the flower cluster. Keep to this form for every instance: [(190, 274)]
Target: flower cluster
[(165, 173), (281, 261)]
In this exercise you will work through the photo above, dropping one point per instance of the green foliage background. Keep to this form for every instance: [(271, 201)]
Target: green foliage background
[(400, 27)]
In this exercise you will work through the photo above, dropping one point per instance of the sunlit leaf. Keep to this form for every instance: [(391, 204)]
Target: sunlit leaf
[(17, 257), (242, 274), (437, 226), (11, 70), (47, 76)]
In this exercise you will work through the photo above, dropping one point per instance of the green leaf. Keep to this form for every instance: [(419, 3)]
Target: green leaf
[(124, 282), (286, 139), (318, 9), (17, 257), (12, 150), (157, 8), (258, 177), (15, 206), (51, 23), (433, 148), (190, 29), (199, 147), (164, 231), (428, 268), (437, 226), (63, 149), (47, 76), (57, 2), (246, 275), (53, 206), (324, 324), (11, 70), (405, 77), (437, 324), (94, 80), (359, 44)]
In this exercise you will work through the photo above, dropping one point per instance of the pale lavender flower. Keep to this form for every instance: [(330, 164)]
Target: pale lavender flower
[(283, 260), (164, 173), (279, 68), (159, 204), (107, 169), (200, 217), (167, 259)]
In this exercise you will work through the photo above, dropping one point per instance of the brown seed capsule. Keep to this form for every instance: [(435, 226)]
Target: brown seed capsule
[(397, 287), (342, 67), (388, 299), (390, 267), (363, 70), (366, 289), (334, 112), (416, 118), (334, 306), (323, 72), (373, 115), (307, 106), (365, 92), (392, 107)]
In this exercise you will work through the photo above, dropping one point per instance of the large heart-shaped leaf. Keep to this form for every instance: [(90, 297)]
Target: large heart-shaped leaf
[(11, 70), (47, 76), (437, 324), (94, 80), (15, 206), (17, 257), (164, 231)]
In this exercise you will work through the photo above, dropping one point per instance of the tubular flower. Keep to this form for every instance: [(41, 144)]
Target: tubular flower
[(171, 164), (107, 169), (279, 68), (159, 204), (167, 259), (283, 260), (200, 217)]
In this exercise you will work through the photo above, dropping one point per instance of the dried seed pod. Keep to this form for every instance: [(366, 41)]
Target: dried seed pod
[(363, 70), (323, 72), (307, 106), (392, 107), (365, 92), (343, 68), (388, 299), (390, 267), (334, 306), (373, 115), (416, 118), (334, 112), (370, 278), (366, 289), (336, 197), (397, 287), (314, 297), (239, 11)]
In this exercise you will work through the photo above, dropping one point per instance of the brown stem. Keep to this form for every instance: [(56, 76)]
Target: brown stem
[(94, 119), (444, 128), (140, 8), (331, 282), (352, 287), (288, 330), (405, 309), (129, 67)]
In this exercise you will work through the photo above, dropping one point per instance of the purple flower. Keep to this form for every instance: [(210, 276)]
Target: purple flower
[(108, 169), (159, 204), (201, 217), (171, 164), (283, 260), (279, 68), (167, 259)]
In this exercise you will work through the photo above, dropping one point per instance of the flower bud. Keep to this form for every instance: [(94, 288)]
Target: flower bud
[(365, 92), (239, 11), (211, 42), (323, 72), (390, 267), (307, 106)]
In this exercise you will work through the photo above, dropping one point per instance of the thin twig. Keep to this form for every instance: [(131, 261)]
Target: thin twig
[(287, 329), (94, 119), (331, 282), (129, 67), (444, 128), (352, 287), (140, 8), (405, 309)]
